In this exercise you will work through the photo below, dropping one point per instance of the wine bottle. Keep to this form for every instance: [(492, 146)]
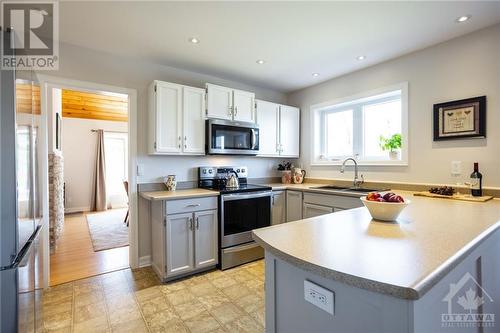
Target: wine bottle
[(476, 182)]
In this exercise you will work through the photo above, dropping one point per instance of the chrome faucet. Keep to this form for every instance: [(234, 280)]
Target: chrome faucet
[(357, 183)]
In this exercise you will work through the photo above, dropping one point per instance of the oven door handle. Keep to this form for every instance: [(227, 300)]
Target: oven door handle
[(239, 196)]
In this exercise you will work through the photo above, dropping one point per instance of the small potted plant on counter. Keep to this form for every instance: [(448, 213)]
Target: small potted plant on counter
[(286, 172), (391, 144)]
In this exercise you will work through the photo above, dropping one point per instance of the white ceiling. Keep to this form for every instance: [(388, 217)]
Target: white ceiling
[(295, 39)]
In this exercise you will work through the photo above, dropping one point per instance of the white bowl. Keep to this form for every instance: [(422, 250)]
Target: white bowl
[(385, 211)]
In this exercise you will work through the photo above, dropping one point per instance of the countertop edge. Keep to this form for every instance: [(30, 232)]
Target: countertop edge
[(314, 189), (434, 277), (177, 196), (409, 293), (348, 279)]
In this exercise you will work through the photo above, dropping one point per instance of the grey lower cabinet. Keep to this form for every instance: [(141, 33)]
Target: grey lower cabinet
[(312, 210), (293, 205), (278, 207), (186, 241), (179, 244), (316, 204), (205, 239)]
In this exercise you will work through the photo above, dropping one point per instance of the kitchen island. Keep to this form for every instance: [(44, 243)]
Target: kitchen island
[(410, 276)]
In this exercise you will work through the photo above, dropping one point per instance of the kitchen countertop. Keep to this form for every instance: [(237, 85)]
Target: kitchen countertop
[(303, 186), (404, 259), (178, 194), (312, 188)]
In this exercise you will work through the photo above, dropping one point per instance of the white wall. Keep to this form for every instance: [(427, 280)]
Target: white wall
[(465, 67), (88, 65), (79, 151)]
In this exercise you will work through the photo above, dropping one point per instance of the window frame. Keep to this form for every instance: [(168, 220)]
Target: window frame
[(318, 138)]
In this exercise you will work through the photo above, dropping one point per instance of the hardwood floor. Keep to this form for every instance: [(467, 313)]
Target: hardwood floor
[(75, 258)]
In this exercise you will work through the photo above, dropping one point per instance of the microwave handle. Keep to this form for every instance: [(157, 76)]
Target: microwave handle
[(254, 138)]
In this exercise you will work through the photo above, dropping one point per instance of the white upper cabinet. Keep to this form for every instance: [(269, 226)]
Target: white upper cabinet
[(193, 125), (244, 104), (176, 119), (268, 121), (219, 102), (230, 104), (279, 129), (167, 101), (289, 131)]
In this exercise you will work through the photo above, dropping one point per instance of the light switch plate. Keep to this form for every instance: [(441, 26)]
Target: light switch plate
[(140, 169), (319, 296), (456, 168)]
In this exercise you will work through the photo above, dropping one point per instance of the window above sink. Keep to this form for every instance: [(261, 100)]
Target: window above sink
[(353, 126)]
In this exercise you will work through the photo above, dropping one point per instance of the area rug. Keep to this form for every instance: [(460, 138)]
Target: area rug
[(107, 229)]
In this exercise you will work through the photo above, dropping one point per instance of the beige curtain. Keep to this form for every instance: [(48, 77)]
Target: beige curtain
[(99, 186)]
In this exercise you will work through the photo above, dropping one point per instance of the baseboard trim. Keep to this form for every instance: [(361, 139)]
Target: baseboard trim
[(145, 261), (69, 210)]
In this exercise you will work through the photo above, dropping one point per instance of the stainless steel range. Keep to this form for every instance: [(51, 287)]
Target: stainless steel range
[(241, 209)]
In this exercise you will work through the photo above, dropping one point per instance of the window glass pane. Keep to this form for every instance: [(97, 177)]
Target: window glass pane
[(115, 146), (380, 119), (339, 133)]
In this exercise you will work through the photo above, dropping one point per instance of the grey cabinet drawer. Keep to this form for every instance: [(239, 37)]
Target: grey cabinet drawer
[(191, 205), (336, 201)]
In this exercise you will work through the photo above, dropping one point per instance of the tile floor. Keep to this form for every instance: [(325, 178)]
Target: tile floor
[(136, 301)]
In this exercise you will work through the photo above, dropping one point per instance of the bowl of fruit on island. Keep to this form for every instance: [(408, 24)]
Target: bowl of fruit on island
[(384, 206)]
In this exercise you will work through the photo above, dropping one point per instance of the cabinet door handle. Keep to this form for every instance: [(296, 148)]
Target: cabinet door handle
[(185, 138), (235, 111), (193, 205), (190, 224), (197, 223), (273, 199), (230, 109), (180, 138)]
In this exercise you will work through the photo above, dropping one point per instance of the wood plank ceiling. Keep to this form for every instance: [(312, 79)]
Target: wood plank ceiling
[(78, 104), (27, 98), (75, 104)]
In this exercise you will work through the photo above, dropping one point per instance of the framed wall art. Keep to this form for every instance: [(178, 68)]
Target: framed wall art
[(464, 118)]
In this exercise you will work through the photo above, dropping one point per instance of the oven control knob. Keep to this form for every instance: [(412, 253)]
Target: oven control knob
[(204, 171), (243, 170), (238, 171), (210, 171)]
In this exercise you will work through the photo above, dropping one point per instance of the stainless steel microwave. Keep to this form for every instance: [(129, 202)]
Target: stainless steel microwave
[(224, 137)]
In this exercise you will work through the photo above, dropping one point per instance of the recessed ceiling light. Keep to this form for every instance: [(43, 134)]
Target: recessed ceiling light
[(315, 74), (463, 18), (361, 57), (260, 61), (194, 40)]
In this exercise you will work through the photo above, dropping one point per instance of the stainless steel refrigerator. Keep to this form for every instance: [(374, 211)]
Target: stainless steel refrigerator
[(21, 257)]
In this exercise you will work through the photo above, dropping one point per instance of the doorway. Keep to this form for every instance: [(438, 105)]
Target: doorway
[(92, 240)]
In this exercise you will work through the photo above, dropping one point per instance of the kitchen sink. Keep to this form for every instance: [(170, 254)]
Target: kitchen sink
[(366, 190), (331, 187), (350, 189)]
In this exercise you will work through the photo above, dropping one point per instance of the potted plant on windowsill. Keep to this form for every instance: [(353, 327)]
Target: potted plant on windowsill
[(391, 144)]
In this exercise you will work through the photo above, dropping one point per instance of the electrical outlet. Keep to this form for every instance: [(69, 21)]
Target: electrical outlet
[(319, 296), (456, 168)]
